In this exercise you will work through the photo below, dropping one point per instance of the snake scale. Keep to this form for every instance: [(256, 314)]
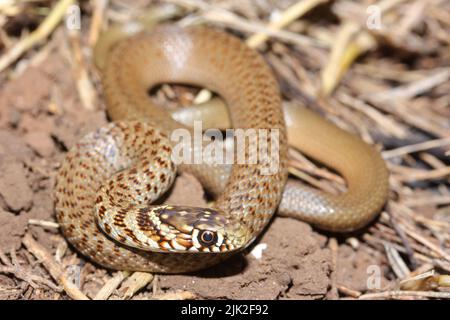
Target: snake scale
[(107, 182)]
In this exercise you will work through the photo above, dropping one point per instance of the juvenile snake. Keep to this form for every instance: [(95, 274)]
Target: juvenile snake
[(107, 181)]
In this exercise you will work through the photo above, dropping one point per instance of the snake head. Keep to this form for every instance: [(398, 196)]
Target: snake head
[(182, 229)]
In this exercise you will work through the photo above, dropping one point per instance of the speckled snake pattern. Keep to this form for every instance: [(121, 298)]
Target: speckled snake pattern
[(107, 182)]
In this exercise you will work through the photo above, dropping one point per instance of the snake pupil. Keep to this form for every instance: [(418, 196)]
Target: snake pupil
[(207, 237)]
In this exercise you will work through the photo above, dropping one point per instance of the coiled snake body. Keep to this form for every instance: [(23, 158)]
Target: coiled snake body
[(108, 180)]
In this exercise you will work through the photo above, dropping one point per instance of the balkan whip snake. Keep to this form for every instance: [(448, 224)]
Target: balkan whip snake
[(108, 180)]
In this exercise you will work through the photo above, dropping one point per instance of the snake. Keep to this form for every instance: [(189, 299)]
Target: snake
[(108, 184)]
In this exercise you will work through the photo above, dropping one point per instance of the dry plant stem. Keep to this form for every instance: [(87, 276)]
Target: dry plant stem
[(418, 175), (44, 29), (97, 20), (408, 229), (437, 143), (422, 201), (134, 283), (397, 264), (379, 244), (155, 285), (444, 281), (333, 70), (426, 242), (111, 285), (389, 125), (231, 20), (402, 110), (333, 245), (178, 295), (86, 90), (386, 5), (348, 292), (362, 43), (43, 223), (414, 88), (399, 294), (411, 18), (410, 252), (417, 248), (288, 16), (53, 268), (431, 160)]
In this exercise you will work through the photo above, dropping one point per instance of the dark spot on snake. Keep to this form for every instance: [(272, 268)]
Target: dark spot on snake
[(101, 211), (144, 210), (138, 126), (107, 228)]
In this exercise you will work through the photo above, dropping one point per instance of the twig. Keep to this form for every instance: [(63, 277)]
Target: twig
[(430, 144), (112, 284), (406, 243), (231, 20), (44, 29), (85, 87), (134, 283), (348, 292), (390, 125), (429, 200), (397, 264), (399, 293), (177, 295), (43, 223), (97, 19), (53, 268), (333, 71), (427, 243), (290, 14), (333, 246), (410, 90), (416, 175)]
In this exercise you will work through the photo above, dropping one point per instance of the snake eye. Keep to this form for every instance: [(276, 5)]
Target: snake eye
[(207, 238)]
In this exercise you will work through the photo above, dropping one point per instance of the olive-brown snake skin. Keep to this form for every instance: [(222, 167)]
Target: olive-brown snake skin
[(108, 180)]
